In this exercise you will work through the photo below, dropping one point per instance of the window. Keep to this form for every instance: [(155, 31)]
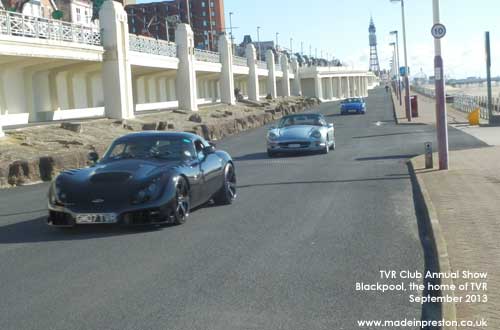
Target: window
[(203, 14), (204, 23), (203, 4), (78, 15)]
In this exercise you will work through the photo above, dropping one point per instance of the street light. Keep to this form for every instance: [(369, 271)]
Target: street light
[(397, 63), (258, 42), (301, 48), (407, 80), (277, 34), (393, 59), (441, 116), (291, 45), (231, 29)]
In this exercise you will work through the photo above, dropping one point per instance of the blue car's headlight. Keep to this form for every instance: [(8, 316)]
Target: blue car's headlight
[(316, 135), (148, 193), (272, 136)]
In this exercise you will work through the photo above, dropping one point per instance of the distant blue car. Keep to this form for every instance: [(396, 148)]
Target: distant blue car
[(355, 104)]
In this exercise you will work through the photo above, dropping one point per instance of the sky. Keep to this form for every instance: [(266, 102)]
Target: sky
[(340, 28)]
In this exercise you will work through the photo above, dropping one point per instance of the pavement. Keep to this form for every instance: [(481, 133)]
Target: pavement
[(285, 255), (464, 210)]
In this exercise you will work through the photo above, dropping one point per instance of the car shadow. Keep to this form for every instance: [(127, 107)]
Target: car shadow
[(389, 134), (37, 230), (402, 177), (264, 156), (408, 156)]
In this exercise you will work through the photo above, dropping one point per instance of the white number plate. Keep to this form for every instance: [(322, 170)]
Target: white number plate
[(294, 146), (96, 218)]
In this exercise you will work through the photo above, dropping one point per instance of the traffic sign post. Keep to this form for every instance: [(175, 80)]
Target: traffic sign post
[(439, 31)]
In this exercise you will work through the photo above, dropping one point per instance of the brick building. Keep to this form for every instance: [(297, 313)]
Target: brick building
[(206, 18)]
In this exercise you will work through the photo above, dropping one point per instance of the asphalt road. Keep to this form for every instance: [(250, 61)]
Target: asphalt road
[(286, 255)]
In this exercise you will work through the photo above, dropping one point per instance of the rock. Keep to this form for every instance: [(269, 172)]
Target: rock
[(228, 113), (269, 97), (180, 111), (196, 118), (252, 103), (171, 126), (217, 115), (74, 127), (150, 127), (162, 125)]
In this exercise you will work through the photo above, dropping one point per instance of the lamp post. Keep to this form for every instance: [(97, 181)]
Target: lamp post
[(301, 48), (393, 60), (291, 45), (406, 79), (188, 13), (441, 116), (231, 29), (277, 35), (258, 42), (397, 63)]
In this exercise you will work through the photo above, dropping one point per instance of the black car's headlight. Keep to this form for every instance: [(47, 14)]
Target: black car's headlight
[(316, 135), (148, 193), (56, 195)]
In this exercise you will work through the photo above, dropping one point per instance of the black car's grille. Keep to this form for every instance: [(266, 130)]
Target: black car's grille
[(60, 219), (115, 177), (144, 217), (303, 144)]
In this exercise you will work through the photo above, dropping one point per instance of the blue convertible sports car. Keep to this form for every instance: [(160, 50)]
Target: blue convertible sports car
[(356, 105)]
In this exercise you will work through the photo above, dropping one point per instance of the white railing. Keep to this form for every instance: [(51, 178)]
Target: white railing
[(206, 56), (262, 64), (152, 46), (240, 61), (16, 24)]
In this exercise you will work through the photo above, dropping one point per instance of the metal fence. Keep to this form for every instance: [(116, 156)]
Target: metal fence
[(206, 56), (152, 46), (16, 24), (463, 102), (240, 61)]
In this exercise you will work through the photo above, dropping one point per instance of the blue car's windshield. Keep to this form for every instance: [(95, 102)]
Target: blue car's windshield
[(165, 148), (314, 120), (353, 100)]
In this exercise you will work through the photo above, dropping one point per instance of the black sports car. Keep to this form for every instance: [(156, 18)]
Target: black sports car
[(143, 178)]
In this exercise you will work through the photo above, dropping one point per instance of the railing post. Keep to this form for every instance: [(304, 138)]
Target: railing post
[(296, 85), (253, 76), (116, 71), (227, 77), (7, 22), (271, 78), (285, 83), (186, 74)]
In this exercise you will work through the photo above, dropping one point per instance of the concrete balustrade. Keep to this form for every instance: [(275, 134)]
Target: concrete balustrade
[(51, 70)]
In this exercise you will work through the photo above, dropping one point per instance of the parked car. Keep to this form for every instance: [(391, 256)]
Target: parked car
[(144, 178), (299, 133), (355, 104)]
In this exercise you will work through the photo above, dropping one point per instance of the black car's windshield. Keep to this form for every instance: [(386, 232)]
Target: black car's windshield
[(314, 120), (165, 148)]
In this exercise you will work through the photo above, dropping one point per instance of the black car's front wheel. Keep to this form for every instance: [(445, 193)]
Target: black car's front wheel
[(227, 193), (180, 211)]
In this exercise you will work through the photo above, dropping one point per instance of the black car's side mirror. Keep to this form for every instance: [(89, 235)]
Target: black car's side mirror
[(209, 150), (93, 156)]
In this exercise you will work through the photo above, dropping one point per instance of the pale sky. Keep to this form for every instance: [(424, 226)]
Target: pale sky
[(340, 27)]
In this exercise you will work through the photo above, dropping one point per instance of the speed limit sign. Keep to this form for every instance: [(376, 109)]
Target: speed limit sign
[(438, 31)]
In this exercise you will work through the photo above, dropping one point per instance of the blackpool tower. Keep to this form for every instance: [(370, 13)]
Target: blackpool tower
[(374, 64)]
